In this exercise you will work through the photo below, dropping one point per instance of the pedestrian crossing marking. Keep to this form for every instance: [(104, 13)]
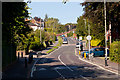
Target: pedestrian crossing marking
[(42, 69)]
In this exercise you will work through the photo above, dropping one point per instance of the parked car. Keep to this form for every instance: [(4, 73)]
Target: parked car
[(65, 41), (96, 52)]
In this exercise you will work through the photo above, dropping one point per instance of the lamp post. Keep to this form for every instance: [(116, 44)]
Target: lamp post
[(105, 34), (85, 28), (40, 30), (89, 39)]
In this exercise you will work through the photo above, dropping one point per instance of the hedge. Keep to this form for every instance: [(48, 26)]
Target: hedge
[(115, 52)]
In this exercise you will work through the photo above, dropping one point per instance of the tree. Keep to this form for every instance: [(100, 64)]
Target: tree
[(94, 11), (81, 30), (46, 17), (13, 25)]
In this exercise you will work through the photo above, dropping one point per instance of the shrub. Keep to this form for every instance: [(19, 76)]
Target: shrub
[(60, 41), (115, 52)]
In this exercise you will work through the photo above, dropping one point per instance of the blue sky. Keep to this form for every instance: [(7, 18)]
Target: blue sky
[(66, 13)]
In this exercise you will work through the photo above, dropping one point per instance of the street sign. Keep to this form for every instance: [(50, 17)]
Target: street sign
[(88, 37)]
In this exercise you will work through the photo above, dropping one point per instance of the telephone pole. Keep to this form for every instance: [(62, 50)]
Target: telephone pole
[(105, 34)]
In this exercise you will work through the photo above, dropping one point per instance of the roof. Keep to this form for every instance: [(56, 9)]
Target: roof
[(31, 24)]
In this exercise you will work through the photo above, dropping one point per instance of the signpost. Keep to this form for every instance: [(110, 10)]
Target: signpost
[(80, 38), (89, 38)]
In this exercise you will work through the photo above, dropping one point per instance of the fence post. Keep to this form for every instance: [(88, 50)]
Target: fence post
[(18, 56), (25, 62)]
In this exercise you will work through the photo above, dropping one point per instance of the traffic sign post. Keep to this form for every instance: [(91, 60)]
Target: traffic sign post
[(89, 38)]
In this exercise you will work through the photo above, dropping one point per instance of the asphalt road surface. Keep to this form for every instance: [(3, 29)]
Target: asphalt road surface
[(63, 64)]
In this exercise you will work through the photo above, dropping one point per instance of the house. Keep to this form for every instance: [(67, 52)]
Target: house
[(36, 23)]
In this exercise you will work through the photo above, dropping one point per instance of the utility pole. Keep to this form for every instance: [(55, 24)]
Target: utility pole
[(53, 29), (110, 31), (105, 34), (89, 39), (85, 29), (40, 30)]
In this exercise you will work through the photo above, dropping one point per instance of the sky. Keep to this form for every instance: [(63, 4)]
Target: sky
[(66, 13)]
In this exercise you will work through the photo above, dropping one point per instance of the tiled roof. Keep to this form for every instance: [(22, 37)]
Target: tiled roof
[(31, 24)]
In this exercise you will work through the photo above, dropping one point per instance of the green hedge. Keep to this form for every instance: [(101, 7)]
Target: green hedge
[(115, 52)]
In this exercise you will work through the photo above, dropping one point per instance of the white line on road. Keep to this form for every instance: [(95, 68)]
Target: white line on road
[(70, 68), (96, 65), (33, 68), (84, 77), (64, 63), (60, 74)]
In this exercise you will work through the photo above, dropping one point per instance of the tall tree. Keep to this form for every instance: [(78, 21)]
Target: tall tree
[(95, 12), (13, 25)]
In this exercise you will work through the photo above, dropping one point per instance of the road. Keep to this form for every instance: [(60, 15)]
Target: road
[(64, 64)]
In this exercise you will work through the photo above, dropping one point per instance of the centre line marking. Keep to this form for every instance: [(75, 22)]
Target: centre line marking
[(64, 63)]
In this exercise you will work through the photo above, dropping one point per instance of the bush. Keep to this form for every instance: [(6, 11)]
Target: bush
[(115, 52), (60, 41)]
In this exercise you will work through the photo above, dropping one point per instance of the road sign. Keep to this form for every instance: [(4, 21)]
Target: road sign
[(88, 37)]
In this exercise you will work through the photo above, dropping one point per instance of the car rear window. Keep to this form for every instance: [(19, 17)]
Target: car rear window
[(65, 39)]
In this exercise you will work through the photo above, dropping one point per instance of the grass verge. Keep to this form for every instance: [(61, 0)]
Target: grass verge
[(55, 47)]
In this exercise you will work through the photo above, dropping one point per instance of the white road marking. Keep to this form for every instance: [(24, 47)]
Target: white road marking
[(33, 68), (38, 59), (96, 65), (42, 69), (60, 74), (84, 77), (64, 63)]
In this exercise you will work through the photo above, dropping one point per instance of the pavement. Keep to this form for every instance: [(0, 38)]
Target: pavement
[(17, 70), (100, 61)]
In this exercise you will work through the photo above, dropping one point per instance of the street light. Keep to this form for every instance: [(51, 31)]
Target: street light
[(85, 28), (105, 34), (88, 37), (40, 30)]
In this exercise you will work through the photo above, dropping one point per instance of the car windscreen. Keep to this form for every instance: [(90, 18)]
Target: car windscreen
[(65, 39)]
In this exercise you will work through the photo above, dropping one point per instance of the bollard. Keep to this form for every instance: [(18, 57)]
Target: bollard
[(85, 55), (18, 56), (25, 62), (22, 54), (79, 53), (29, 59)]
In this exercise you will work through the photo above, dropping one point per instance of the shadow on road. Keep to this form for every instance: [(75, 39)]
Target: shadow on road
[(51, 72)]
